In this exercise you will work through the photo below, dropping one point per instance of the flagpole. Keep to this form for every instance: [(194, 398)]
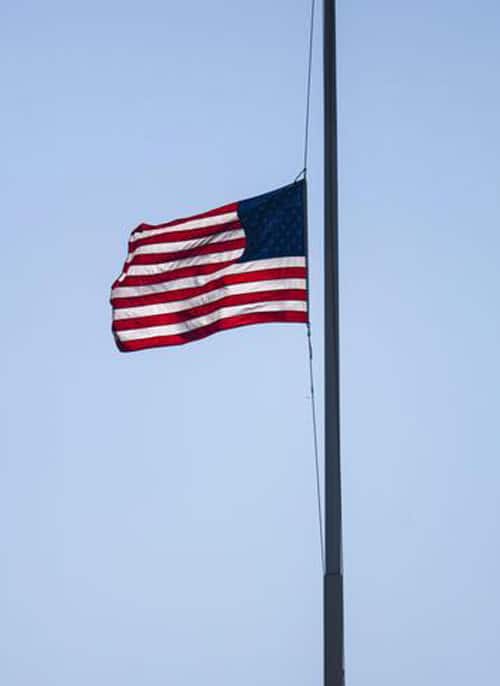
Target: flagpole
[(333, 580)]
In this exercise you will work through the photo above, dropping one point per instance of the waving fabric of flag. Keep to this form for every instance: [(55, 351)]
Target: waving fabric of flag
[(243, 263)]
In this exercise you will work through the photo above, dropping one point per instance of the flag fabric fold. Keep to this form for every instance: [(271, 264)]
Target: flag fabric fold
[(243, 263)]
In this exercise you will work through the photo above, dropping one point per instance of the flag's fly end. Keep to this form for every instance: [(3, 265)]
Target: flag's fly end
[(240, 264)]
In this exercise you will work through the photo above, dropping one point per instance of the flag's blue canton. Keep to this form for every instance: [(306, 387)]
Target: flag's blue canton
[(274, 224)]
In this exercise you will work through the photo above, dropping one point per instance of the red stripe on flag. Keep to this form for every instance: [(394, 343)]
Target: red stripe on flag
[(225, 280), (201, 310), (181, 273), (224, 209), (190, 234), (222, 325), (208, 249)]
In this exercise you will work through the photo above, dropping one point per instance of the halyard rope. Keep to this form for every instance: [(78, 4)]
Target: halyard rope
[(309, 335)]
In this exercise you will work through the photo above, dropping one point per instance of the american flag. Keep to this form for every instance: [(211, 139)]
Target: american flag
[(243, 263)]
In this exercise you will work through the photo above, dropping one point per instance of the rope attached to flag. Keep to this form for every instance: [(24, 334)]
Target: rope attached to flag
[(309, 83), (303, 173), (316, 449)]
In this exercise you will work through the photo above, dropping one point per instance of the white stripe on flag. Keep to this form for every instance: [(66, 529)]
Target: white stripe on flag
[(204, 223), (203, 279), (155, 248), (212, 296), (222, 313), (164, 267)]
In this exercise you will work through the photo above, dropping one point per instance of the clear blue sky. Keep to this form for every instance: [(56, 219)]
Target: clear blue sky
[(157, 512)]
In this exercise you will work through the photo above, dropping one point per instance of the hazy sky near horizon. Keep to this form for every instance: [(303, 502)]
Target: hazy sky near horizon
[(157, 510)]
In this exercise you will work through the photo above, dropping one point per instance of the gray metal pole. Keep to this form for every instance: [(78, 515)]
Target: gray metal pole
[(333, 581)]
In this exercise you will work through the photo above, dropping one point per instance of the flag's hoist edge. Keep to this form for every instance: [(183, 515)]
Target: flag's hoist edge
[(242, 263)]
